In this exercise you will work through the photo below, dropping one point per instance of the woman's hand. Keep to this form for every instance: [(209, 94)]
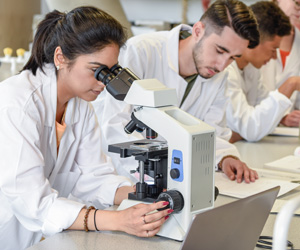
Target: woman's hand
[(142, 221)]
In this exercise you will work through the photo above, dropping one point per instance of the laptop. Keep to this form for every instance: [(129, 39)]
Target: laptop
[(234, 226)]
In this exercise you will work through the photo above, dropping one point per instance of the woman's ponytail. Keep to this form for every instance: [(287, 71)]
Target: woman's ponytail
[(45, 36), (81, 31)]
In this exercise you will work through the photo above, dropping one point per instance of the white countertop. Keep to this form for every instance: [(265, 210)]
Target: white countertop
[(254, 154)]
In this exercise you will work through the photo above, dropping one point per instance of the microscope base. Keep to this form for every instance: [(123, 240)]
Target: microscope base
[(170, 229)]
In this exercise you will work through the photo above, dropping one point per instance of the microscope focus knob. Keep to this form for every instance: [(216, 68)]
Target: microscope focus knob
[(175, 199), (174, 173)]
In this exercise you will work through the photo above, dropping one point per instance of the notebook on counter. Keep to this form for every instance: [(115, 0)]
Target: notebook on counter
[(286, 131), (289, 163), (267, 179)]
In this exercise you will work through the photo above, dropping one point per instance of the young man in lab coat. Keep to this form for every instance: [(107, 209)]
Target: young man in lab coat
[(190, 60), (287, 64), (253, 112)]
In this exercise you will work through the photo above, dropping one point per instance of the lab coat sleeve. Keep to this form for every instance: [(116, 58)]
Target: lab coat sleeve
[(253, 122), (98, 181), (216, 115), (35, 204), (224, 148)]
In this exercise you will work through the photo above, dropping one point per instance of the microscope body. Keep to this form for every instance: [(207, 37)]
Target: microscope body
[(182, 166)]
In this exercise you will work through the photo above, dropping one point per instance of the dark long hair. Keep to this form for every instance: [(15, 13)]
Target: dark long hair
[(83, 30), (234, 14)]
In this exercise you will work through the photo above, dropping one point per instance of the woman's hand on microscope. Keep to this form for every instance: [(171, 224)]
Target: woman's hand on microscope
[(144, 220), (237, 170)]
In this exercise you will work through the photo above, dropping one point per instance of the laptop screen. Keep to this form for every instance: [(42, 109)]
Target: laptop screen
[(233, 226)]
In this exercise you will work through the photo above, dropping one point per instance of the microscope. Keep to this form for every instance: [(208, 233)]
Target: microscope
[(182, 166)]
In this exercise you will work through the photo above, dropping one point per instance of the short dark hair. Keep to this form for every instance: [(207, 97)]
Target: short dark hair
[(271, 20), (234, 14), (83, 30)]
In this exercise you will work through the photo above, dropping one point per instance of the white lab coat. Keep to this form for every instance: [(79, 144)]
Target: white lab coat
[(40, 192), (274, 76), (155, 55), (253, 111)]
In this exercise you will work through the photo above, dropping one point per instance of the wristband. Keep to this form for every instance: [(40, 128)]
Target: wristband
[(95, 224), (86, 216)]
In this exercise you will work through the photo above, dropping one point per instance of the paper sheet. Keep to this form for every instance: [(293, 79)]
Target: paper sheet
[(286, 131), (242, 190), (273, 174)]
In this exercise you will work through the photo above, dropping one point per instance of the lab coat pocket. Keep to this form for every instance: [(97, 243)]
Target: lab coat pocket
[(65, 182)]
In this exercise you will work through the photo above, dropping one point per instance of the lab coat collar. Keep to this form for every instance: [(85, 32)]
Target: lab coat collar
[(290, 63), (49, 89), (49, 80), (203, 80), (173, 42), (71, 117), (73, 111), (65, 145)]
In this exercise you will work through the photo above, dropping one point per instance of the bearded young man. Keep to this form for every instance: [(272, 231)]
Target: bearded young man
[(191, 60)]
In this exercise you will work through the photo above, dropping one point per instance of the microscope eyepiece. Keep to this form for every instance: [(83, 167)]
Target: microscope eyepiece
[(116, 79), (116, 69), (104, 75)]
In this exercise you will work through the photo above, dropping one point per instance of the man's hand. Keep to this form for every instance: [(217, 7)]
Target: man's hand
[(235, 137), (292, 119), (236, 169)]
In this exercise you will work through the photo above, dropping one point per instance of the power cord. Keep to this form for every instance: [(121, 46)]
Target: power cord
[(266, 243)]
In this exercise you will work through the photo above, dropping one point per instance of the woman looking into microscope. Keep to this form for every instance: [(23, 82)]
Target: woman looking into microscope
[(52, 168)]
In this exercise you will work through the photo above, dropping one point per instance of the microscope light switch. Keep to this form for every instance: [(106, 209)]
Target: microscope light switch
[(176, 160)]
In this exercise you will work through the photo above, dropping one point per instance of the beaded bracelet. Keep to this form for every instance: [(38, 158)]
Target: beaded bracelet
[(95, 220), (86, 218), (226, 156)]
